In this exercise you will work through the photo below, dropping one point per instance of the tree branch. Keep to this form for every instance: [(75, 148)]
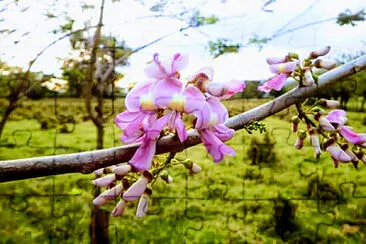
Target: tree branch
[(87, 162)]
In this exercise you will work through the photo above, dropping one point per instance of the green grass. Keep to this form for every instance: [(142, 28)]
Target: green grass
[(229, 202)]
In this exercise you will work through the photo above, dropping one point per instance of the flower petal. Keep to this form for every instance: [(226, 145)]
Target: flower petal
[(350, 135), (338, 154), (223, 133), (142, 158), (214, 146), (337, 116), (194, 99), (276, 83), (180, 128), (288, 67), (134, 97), (164, 91), (136, 190)]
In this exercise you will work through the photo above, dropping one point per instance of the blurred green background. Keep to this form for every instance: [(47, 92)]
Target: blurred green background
[(275, 195)]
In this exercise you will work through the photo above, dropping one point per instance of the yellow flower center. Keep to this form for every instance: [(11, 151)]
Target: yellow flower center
[(177, 103), (281, 68), (213, 118), (147, 102)]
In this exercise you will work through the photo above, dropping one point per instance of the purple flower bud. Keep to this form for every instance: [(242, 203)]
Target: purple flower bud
[(314, 139), (105, 181), (325, 64), (122, 169), (138, 187), (108, 195), (308, 77), (301, 135), (120, 208), (195, 168), (142, 205), (329, 103), (336, 151), (325, 124), (216, 89), (99, 172), (320, 52), (277, 60), (299, 143), (288, 67)]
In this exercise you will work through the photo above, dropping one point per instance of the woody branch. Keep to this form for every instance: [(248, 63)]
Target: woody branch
[(87, 162)]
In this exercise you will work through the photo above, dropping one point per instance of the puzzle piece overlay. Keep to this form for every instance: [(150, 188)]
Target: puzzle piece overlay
[(260, 195)]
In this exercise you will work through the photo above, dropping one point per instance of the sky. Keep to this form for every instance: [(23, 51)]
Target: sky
[(134, 22)]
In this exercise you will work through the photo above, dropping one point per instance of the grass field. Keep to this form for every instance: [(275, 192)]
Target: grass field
[(285, 196)]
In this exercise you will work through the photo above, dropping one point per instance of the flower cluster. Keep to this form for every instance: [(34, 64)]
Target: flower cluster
[(156, 107), (340, 141), (290, 66)]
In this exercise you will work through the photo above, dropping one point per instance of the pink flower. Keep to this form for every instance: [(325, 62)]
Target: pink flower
[(225, 90), (212, 113), (350, 135), (337, 116), (214, 145), (168, 69), (143, 156), (178, 101), (202, 77), (283, 70), (276, 83), (209, 124), (286, 68)]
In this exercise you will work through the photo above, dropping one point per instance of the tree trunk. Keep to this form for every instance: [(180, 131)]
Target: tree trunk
[(100, 134), (99, 223), (11, 107)]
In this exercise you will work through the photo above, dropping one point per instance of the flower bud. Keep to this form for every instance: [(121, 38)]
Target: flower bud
[(120, 208), (99, 172), (354, 159), (308, 77), (320, 52), (314, 139), (137, 188), (336, 151), (361, 155), (293, 55), (277, 60), (216, 89), (295, 122), (301, 135), (166, 177), (122, 169), (325, 64), (105, 180), (195, 168), (329, 103), (143, 203), (108, 195), (288, 67), (325, 124)]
